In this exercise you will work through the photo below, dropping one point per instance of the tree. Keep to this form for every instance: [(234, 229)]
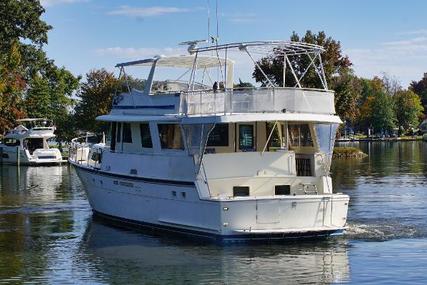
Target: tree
[(377, 112), (12, 85), (420, 87), (347, 95), (96, 97), (408, 109), (38, 101), (26, 74)]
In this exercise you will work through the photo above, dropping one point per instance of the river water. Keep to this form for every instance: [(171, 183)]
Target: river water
[(48, 234)]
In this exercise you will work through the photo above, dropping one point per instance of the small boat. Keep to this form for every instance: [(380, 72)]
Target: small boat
[(209, 158), (28, 144)]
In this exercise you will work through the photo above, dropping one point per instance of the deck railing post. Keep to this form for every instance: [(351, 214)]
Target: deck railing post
[(18, 156)]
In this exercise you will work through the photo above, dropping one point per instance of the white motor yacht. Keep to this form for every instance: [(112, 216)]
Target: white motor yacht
[(27, 144), (208, 158)]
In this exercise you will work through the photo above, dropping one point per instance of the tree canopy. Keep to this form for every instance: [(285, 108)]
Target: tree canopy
[(30, 83)]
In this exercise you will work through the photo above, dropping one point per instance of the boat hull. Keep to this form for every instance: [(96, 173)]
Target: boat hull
[(176, 207), (44, 157)]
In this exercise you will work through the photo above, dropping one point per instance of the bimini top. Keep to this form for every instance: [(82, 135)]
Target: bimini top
[(265, 47), (181, 61)]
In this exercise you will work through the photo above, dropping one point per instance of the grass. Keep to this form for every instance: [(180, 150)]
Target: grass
[(348, 152)]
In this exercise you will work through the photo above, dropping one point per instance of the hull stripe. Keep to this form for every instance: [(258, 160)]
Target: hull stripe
[(144, 179)]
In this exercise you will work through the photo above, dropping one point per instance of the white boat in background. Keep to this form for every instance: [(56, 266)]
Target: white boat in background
[(27, 144), (209, 159)]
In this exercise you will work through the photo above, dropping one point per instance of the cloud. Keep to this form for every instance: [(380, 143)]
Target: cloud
[(405, 58), (49, 3), (241, 18), (130, 52), (146, 11)]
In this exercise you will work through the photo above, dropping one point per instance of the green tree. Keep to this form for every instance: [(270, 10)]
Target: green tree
[(377, 112), (420, 87), (95, 99), (38, 101), (408, 109), (24, 65), (348, 90)]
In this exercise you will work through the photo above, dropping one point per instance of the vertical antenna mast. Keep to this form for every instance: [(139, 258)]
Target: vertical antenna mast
[(209, 21), (217, 23)]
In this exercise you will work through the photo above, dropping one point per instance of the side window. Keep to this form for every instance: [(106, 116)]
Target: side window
[(219, 135), (119, 132), (170, 136), (275, 141), (299, 135), (246, 137), (11, 142), (127, 133), (113, 136), (145, 135)]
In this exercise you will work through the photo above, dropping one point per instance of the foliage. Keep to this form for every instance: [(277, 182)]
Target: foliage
[(420, 87), (28, 78), (96, 96), (38, 98), (408, 109), (347, 95), (378, 112), (348, 152), (12, 85)]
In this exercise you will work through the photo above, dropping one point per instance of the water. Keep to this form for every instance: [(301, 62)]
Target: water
[(48, 235)]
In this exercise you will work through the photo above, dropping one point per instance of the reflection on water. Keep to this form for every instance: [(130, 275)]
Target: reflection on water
[(169, 261), (48, 235)]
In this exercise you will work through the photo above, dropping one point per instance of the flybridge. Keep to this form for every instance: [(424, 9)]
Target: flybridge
[(206, 84)]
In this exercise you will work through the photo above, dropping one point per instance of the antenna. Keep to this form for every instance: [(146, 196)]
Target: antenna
[(209, 19), (217, 23)]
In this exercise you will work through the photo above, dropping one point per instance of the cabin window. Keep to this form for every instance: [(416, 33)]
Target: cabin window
[(113, 136), (145, 135), (127, 133), (119, 132), (170, 136), (219, 135), (11, 142), (240, 191), (299, 135), (282, 190), (246, 137), (32, 144), (275, 142)]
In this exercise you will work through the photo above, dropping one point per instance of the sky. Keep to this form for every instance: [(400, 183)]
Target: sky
[(379, 36)]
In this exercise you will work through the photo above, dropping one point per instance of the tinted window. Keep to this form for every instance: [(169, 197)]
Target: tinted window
[(274, 141), (246, 137), (145, 136), (299, 135), (170, 136), (11, 142), (127, 133), (219, 136), (113, 136), (119, 132)]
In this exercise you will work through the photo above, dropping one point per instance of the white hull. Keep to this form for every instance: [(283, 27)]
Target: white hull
[(39, 156), (152, 203)]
